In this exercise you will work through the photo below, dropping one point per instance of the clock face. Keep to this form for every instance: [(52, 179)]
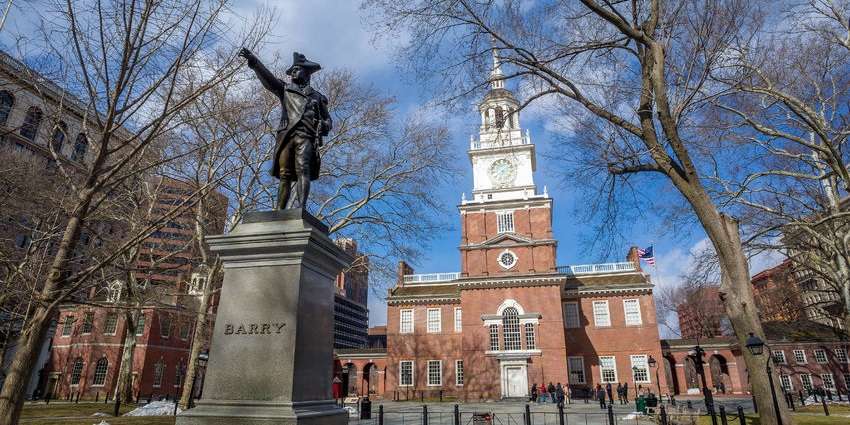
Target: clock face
[(502, 172)]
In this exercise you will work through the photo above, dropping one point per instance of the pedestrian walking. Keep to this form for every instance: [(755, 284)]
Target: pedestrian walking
[(534, 392), (600, 394), (610, 393), (620, 392), (626, 393), (542, 395), (552, 395), (559, 391)]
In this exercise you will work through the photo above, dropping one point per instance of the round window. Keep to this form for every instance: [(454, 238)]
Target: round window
[(507, 259)]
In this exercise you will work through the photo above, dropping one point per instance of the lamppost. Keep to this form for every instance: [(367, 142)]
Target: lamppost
[(654, 364), (697, 353), (756, 347), (203, 356)]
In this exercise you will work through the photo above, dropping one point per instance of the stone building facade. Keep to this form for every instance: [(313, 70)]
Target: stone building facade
[(511, 317)]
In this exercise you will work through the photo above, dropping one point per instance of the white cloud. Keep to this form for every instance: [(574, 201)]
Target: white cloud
[(329, 32)]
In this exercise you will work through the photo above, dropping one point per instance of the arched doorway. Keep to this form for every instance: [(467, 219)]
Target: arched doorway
[(673, 386), (719, 373), (370, 379), (349, 379)]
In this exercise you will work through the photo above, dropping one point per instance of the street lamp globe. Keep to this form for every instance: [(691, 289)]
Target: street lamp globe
[(203, 356), (755, 344), (652, 362)]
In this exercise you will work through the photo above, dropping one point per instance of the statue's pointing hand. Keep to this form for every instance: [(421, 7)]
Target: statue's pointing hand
[(245, 53)]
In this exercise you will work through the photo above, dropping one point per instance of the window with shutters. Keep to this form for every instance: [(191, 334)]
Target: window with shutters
[(405, 373), (494, 337), (434, 319), (576, 367), (530, 343), (571, 317), (601, 316), (608, 368), (77, 371), (632, 311), (435, 373), (505, 222), (510, 329), (406, 321), (100, 369), (459, 372)]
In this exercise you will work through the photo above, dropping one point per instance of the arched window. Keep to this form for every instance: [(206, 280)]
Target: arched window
[(500, 117), (77, 371), (6, 102), (31, 123), (81, 146), (100, 371), (510, 329), (158, 371), (59, 135)]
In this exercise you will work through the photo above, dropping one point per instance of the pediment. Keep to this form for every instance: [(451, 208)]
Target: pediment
[(506, 239)]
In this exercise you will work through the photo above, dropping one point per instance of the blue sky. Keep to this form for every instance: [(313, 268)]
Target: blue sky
[(333, 33)]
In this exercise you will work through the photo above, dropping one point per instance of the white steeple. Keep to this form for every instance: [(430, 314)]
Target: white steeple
[(497, 78)]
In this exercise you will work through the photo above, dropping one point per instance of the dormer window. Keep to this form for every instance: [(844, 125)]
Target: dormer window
[(505, 222)]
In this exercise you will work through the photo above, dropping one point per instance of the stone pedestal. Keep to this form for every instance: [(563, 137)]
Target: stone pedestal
[(271, 358)]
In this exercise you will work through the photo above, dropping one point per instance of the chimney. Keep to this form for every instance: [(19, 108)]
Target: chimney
[(634, 257), (403, 269)]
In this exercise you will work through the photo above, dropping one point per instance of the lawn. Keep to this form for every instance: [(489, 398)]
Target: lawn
[(81, 414), (799, 419), (817, 408)]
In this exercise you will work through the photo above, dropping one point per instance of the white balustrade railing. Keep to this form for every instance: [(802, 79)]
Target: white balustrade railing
[(583, 269), (477, 144), (431, 277)]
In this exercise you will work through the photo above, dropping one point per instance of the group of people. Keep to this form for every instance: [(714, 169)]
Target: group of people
[(622, 393), (543, 394)]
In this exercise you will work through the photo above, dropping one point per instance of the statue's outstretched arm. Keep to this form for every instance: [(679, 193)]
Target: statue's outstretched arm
[(269, 81)]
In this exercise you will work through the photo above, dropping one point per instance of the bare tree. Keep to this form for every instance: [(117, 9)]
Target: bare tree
[(126, 61), (634, 72)]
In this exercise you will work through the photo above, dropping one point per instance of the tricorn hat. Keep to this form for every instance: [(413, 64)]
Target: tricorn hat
[(300, 60)]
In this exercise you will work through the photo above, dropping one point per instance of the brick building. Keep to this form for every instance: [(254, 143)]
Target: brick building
[(701, 314), (511, 317), (88, 341)]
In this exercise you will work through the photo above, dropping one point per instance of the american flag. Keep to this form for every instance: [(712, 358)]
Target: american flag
[(646, 254)]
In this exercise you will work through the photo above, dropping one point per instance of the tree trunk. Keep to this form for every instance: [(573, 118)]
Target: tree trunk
[(12, 395), (198, 337), (739, 303), (124, 387)]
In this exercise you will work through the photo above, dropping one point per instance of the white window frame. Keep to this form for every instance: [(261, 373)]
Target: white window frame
[(800, 354), (636, 303), (106, 323), (401, 373), (140, 324), (831, 380), (68, 326), (401, 322), (88, 323), (568, 322), (439, 376), (785, 382), (571, 370), (505, 222), (807, 382), (818, 358), (97, 372), (530, 336), (779, 357), (458, 373), (596, 318), (494, 336), (435, 324), (840, 355), (458, 319), (158, 373), (602, 369), (642, 362)]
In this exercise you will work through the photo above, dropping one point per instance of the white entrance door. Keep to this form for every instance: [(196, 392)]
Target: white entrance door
[(516, 380)]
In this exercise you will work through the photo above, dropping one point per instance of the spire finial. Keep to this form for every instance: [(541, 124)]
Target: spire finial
[(496, 75)]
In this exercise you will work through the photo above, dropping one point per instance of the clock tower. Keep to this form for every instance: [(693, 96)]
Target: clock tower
[(507, 225)]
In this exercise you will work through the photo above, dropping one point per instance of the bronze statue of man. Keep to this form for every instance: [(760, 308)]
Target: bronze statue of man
[(304, 120)]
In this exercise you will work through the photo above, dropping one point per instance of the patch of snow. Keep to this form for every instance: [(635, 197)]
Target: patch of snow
[(155, 408), (100, 414), (102, 423)]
